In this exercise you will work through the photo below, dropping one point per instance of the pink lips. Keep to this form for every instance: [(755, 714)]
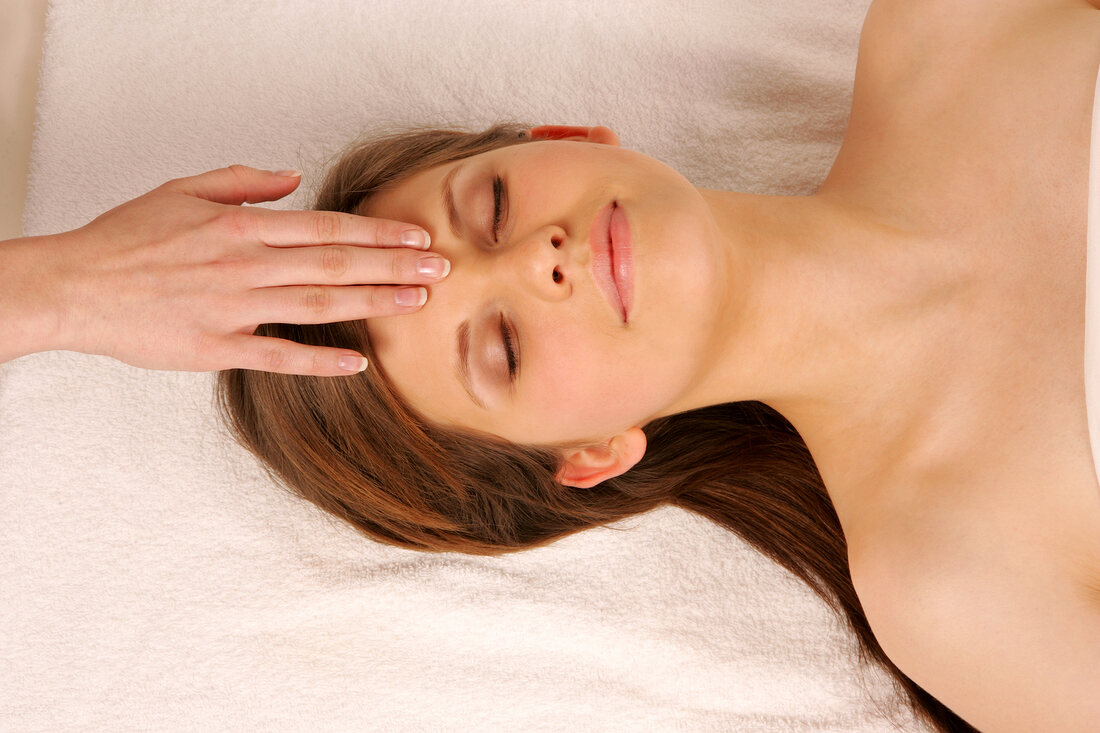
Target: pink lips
[(612, 259)]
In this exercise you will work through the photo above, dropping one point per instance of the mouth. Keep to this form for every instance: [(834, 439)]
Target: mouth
[(612, 263)]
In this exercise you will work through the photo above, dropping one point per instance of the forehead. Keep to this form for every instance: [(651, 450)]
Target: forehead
[(406, 194), (417, 350), (411, 194)]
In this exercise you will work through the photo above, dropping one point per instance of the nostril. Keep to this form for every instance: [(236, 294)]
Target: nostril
[(557, 275), (556, 241)]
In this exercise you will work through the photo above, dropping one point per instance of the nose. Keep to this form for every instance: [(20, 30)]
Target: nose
[(544, 263)]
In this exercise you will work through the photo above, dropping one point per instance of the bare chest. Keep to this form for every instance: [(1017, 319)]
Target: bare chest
[(989, 147), (986, 542)]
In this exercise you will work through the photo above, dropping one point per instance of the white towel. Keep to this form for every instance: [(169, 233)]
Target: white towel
[(154, 579)]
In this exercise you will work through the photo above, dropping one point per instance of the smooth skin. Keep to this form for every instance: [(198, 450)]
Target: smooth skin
[(584, 375), (714, 320), (180, 278), (919, 320)]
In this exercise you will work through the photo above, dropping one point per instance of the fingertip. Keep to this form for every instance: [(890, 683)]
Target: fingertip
[(416, 238), (352, 363), (289, 180)]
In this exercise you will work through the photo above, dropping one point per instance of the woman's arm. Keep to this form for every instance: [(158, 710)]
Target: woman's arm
[(29, 315)]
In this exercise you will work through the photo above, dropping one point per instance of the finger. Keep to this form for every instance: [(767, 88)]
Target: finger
[(304, 228), (324, 304), (346, 265), (236, 184), (266, 354)]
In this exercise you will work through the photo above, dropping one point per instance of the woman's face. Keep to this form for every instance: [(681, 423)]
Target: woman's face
[(583, 374)]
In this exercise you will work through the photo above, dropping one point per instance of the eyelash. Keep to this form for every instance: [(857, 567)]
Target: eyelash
[(509, 338), (498, 192)]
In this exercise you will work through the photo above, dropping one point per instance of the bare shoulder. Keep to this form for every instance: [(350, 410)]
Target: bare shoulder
[(945, 91), (1000, 640), (901, 39)]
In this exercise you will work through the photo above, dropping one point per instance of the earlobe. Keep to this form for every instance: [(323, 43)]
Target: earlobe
[(598, 134), (587, 467)]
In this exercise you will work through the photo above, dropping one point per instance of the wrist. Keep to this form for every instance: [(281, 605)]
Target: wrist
[(30, 297)]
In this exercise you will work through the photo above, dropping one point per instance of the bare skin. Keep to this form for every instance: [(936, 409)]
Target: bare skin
[(180, 277), (974, 536), (920, 321)]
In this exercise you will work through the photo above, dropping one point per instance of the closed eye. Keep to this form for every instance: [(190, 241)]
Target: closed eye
[(500, 206), (508, 337)]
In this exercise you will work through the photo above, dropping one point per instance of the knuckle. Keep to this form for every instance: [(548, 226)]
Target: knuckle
[(238, 223), (335, 261), (241, 177), (274, 360), (228, 280), (326, 226), (209, 353), (204, 343), (401, 267), (317, 300), (229, 272), (378, 300)]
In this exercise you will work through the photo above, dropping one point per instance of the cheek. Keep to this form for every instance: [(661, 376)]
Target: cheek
[(589, 385)]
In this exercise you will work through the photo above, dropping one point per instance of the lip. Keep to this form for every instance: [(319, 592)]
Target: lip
[(612, 264)]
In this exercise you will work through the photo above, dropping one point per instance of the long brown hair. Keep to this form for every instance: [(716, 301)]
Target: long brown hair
[(351, 446)]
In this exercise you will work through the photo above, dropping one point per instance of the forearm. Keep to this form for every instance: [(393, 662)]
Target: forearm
[(29, 312)]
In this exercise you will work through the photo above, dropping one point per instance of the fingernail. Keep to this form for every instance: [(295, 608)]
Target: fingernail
[(352, 363), (416, 238), (411, 296), (289, 174), (433, 266)]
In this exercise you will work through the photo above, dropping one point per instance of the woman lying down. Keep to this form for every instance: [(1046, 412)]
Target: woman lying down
[(879, 386)]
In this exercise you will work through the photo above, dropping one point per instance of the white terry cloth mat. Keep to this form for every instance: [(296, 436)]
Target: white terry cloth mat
[(152, 578)]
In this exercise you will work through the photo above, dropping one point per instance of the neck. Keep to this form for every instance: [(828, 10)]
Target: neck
[(836, 320)]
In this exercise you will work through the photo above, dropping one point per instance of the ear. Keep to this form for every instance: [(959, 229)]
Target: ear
[(587, 467), (599, 134)]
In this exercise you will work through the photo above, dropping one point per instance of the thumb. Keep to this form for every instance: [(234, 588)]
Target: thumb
[(237, 184)]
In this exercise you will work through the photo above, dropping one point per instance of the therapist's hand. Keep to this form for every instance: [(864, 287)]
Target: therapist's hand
[(180, 277)]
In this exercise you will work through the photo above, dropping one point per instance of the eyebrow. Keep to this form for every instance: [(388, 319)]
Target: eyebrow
[(462, 335), (448, 195), (463, 364)]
